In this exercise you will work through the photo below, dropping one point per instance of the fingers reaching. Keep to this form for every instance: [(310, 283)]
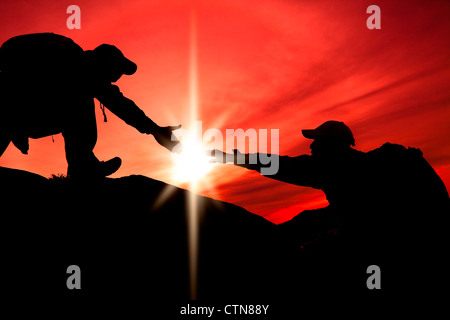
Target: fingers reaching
[(219, 156), (166, 138), (173, 128)]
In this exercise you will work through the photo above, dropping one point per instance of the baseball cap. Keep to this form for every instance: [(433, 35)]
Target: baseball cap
[(332, 129), (116, 58)]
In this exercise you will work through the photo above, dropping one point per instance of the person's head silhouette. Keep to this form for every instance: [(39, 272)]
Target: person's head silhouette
[(113, 63), (331, 137)]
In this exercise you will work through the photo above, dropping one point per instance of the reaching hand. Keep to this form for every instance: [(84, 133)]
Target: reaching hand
[(165, 137), (223, 157)]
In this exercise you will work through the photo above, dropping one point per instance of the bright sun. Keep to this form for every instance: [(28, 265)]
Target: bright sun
[(192, 162)]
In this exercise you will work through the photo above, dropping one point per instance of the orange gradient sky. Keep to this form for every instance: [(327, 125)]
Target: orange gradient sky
[(263, 64)]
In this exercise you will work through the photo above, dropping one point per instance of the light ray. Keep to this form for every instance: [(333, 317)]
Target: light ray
[(191, 163), (192, 220)]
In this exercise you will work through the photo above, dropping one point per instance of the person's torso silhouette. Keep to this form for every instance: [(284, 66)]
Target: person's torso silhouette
[(48, 86)]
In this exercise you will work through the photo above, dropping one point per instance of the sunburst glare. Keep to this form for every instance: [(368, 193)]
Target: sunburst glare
[(191, 163)]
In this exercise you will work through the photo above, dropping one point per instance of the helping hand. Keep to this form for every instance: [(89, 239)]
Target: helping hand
[(165, 137), (223, 157)]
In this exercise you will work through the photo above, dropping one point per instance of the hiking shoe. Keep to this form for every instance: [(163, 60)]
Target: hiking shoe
[(96, 171), (109, 167)]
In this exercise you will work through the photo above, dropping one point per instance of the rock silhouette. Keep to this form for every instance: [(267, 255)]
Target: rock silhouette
[(122, 241), (130, 247)]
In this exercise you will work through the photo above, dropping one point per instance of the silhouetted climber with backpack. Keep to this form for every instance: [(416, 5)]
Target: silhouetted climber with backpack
[(388, 205), (48, 84)]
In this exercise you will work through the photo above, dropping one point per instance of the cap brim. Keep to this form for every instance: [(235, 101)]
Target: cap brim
[(129, 67), (310, 133)]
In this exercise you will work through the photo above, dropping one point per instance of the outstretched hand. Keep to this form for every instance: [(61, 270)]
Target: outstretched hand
[(223, 157), (166, 138)]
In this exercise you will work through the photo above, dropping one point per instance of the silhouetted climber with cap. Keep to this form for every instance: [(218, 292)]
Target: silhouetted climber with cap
[(48, 84), (387, 204)]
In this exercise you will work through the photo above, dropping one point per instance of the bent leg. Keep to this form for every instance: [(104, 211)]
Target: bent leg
[(80, 137), (21, 143)]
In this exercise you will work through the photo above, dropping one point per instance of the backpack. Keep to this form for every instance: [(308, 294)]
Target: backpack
[(414, 206), (408, 174), (38, 52), (31, 64)]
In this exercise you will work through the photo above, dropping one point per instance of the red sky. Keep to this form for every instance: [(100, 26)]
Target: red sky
[(263, 64)]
